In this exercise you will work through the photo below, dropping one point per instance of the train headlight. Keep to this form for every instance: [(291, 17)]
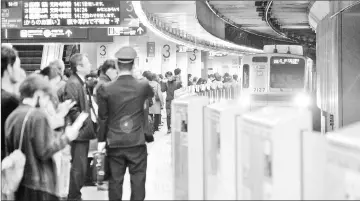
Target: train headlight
[(302, 100)]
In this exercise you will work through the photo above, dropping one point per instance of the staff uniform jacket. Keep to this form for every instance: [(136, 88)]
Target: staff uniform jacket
[(121, 111), (156, 107), (75, 90)]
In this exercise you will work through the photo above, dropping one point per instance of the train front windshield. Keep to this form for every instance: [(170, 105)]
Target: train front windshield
[(287, 72)]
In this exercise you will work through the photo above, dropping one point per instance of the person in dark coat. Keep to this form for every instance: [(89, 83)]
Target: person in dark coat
[(75, 90), (108, 73), (169, 87), (10, 70), (121, 119)]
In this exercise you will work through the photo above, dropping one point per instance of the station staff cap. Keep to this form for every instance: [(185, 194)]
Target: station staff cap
[(126, 55)]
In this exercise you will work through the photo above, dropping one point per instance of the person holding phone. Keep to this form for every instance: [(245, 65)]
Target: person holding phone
[(40, 142)]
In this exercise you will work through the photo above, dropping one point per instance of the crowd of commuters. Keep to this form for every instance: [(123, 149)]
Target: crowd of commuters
[(212, 78), (54, 108), (43, 110)]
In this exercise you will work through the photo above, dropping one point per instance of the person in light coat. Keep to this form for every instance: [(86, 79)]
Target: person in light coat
[(158, 100)]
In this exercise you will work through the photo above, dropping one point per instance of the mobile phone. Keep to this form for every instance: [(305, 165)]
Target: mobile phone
[(78, 123)]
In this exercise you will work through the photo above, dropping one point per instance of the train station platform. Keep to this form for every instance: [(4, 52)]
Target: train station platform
[(159, 177)]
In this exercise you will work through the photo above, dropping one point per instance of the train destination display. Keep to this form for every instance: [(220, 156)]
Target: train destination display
[(71, 13)]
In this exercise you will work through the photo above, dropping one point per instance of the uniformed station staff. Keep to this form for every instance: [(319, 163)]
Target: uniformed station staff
[(121, 120)]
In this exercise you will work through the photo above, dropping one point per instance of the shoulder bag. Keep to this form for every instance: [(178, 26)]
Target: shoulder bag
[(12, 175)]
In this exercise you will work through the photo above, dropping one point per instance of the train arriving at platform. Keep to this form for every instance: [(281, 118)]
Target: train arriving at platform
[(279, 76)]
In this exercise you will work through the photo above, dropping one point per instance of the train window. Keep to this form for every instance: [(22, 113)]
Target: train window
[(287, 72), (260, 59), (246, 75)]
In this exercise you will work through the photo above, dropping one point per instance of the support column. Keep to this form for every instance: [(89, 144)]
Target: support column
[(205, 64), (168, 57), (338, 47), (194, 63)]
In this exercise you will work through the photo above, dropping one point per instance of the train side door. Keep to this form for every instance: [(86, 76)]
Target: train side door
[(259, 75)]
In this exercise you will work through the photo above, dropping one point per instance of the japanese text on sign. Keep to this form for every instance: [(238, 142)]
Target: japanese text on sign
[(71, 13), (286, 61)]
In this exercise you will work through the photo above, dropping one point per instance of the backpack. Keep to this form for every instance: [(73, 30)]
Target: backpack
[(12, 174)]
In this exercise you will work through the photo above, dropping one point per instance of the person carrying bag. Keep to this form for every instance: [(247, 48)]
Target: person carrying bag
[(12, 168)]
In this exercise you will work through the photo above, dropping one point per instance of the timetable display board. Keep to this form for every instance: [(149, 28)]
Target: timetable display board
[(70, 13), (11, 14)]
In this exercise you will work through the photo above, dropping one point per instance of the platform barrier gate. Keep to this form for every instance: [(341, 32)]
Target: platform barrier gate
[(187, 141), (272, 161), (220, 149), (342, 173)]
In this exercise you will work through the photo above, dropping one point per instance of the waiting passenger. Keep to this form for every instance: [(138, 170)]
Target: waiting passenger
[(40, 142), (235, 78), (158, 102), (190, 80), (10, 71), (108, 73), (169, 87), (75, 90)]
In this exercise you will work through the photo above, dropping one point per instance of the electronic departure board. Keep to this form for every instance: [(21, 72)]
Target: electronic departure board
[(11, 14), (71, 13)]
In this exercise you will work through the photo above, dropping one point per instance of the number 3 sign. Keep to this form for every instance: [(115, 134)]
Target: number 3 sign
[(102, 53), (166, 53)]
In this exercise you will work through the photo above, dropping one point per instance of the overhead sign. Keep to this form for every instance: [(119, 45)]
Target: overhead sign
[(150, 47), (181, 48), (126, 31), (129, 18), (11, 14), (71, 13), (45, 33), (217, 54)]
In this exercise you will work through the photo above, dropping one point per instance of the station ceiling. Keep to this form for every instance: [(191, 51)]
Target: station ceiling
[(283, 21)]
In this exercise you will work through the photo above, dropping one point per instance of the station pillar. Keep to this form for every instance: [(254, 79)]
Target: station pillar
[(194, 63), (205, 64), (168, 57), (337, 66)]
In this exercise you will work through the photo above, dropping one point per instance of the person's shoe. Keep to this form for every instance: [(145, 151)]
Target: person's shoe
[(169, 131)]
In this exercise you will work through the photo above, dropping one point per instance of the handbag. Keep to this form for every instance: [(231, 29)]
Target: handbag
[(12, 175), (62, 160), (100, 168), (148, 125)]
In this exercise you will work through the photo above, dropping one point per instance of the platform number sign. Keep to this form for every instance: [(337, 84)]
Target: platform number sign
[(102, 53), (193, 55), (102, 50), (166, 52)]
